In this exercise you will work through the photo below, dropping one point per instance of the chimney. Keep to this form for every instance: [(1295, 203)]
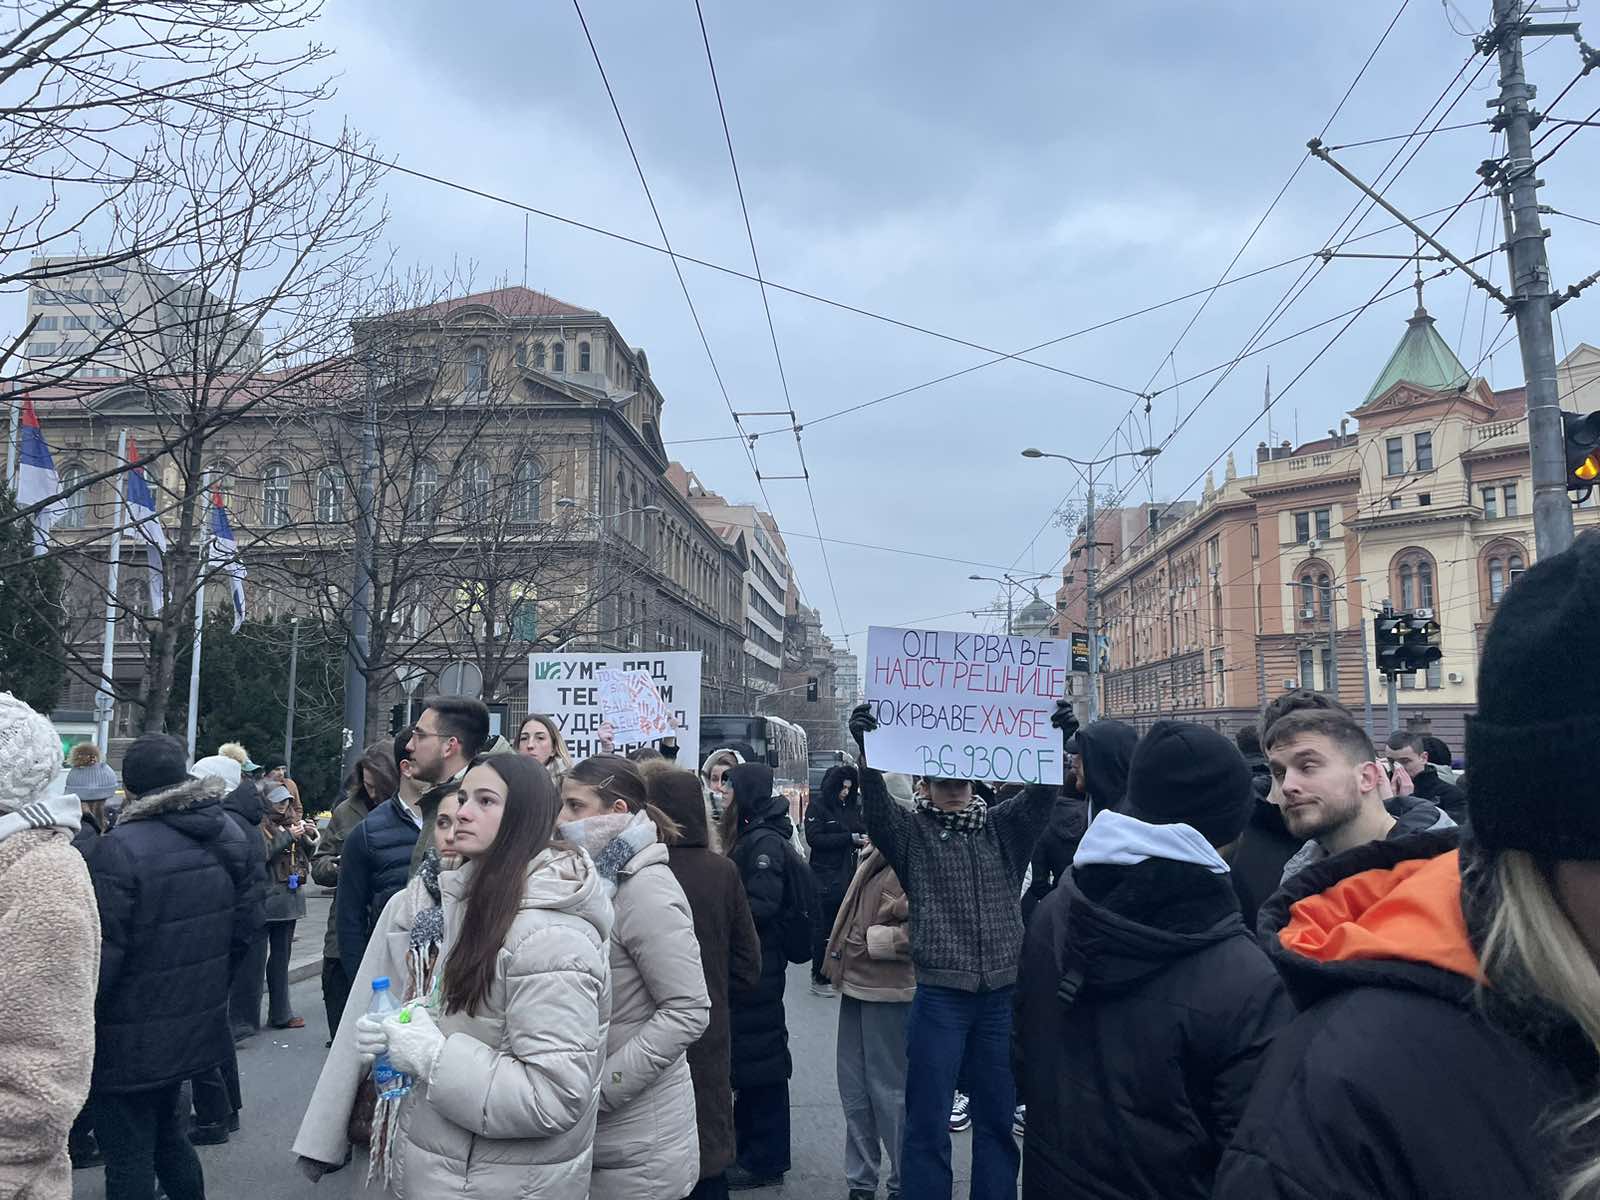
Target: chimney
[(1262, 453)]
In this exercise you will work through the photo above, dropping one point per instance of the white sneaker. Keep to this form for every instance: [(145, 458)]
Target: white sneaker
[(1019, 1120), (822, 989), (960, 1119)]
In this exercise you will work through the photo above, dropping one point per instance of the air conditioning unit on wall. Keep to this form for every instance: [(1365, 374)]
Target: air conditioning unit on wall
[(1456, 677)]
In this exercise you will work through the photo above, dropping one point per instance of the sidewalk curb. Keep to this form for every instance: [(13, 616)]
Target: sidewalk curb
[(305, 968)]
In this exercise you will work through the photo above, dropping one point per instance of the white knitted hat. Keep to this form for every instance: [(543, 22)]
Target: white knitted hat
[(30, 753)]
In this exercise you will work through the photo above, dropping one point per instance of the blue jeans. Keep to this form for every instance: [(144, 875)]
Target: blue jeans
[(948, 1027)]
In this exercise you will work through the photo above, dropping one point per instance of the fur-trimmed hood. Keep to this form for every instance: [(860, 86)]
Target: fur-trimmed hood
[(180, 797)]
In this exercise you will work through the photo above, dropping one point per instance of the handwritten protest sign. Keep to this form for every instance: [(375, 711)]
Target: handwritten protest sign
[(965, 705), (570, 688), (631, 703)]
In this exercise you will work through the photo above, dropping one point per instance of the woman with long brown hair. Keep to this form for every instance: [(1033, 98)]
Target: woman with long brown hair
[(506, 1056), (540, 739), (647, 1146)]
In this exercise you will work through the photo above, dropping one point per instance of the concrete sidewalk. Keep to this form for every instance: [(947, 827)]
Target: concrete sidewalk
[(305, 957)]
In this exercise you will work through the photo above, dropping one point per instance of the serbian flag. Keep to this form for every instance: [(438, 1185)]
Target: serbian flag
[(225, 554), (36, 477), (147, 526)]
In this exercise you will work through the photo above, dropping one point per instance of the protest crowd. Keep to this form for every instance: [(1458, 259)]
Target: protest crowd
[(1287, 964)]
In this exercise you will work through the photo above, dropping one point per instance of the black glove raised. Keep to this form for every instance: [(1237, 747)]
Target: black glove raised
[(862, 722), (1064, 719)]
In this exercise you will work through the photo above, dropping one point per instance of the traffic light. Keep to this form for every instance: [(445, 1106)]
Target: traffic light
[(1389, 634), (397, 718), (811, 689), (1582, 434), (1420, 648)]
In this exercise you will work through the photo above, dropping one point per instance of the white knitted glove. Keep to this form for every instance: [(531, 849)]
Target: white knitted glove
[(414, 1046), (372, 1039)]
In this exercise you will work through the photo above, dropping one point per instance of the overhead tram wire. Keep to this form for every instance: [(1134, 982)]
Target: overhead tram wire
[(667, 242), (1291, 295), (766, 307)]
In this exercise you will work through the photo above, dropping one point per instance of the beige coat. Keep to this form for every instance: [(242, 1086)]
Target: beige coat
[(511, 1108), (647, 1146), (322, 1133), (869, 953), (50, 947)]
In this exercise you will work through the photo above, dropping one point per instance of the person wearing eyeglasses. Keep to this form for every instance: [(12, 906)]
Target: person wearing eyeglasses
[(449, 734)]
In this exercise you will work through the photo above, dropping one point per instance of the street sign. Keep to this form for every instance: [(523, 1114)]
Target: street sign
[(461, 678)]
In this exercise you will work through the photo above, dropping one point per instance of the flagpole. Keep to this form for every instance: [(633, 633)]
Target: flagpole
[(105, 701), (203, 563)]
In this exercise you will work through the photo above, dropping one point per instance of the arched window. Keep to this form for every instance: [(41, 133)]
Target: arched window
[(275, 496), (558, 355), (475, 490), (330, 496), (1308, 595), (1497, 580), (1501, 568), (477, 369), (1324, 595), (525, 492), (75, 508), (538, 355), (583, 356), (424, 504), (1413, 575)]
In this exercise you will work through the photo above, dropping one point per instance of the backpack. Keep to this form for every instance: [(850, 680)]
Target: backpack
[(800, 906)]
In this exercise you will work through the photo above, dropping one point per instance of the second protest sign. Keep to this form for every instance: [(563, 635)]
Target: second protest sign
[(965, 705)]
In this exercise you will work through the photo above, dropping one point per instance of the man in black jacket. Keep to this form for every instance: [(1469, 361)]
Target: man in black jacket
[(172, 881), (449, 734), (1266, 844), (243, 807), (1144, 1004), (375, 861), (961, 863), (1409, 752)]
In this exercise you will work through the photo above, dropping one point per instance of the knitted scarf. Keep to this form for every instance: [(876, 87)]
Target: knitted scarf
[(422, 961), (612, 839), (970, 819)]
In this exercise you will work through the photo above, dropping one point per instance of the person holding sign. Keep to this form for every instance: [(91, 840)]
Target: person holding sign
[(961, 862)]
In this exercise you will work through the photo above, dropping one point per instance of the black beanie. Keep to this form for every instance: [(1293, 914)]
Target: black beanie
[(1529, 745), (153, 762), (1188, 774)]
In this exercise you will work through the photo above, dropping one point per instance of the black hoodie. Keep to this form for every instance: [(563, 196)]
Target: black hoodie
[(1143, 1009), (831, 828), (1105, 748), (1265, 847)]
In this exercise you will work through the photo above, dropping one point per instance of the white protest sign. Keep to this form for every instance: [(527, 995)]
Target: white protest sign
[(965, 705), (631, 703), (568, 688)]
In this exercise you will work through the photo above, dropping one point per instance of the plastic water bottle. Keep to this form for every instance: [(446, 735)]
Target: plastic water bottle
[(391, 1084)]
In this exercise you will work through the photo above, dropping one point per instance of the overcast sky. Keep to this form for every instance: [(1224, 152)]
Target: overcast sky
[(1005, 173)]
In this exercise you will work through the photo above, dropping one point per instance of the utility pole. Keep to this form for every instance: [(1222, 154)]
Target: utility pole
[(356, 647), (1530, 278), (1088, 603), (1366, 680), (106, 697)]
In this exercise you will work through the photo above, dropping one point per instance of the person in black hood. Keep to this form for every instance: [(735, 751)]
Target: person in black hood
[(1095, 781), (1266, 844), (1144, 1004), (834, 831), (1458, 983), (755, 834)]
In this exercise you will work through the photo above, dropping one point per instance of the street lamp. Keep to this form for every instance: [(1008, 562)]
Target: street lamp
[(1089, 579), (1009, 581)]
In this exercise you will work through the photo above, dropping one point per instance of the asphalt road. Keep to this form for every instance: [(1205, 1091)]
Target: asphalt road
[(279, 1068)]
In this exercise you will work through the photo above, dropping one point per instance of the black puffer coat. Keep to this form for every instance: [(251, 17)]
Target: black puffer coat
[(1105, 748), (1393, 1081), (375, 864), (1446, 797), (1143, 1009), (1264, 849), (173, 884), (244, 808), (760, 1033)]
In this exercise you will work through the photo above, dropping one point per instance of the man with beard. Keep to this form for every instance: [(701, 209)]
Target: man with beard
[(451, 731), (1332, 789)]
